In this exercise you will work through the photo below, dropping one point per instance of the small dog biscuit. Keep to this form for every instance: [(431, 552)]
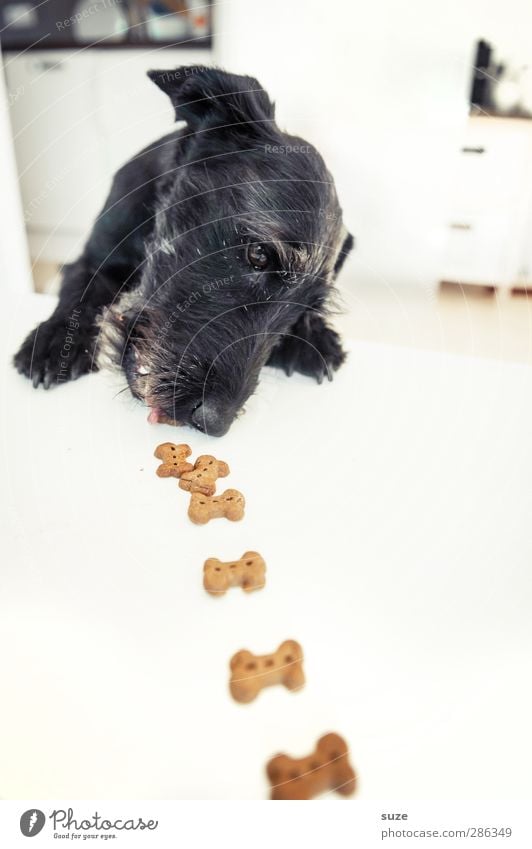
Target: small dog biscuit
[(173, 459), (207, 469), (250, 673), (327, 768), (248, 573), (230, 504)]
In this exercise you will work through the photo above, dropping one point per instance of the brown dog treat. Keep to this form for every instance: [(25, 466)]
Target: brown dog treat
[(248, 573), (173, 459), (327, 768), (230, 504), (207, 469), (250, 672)]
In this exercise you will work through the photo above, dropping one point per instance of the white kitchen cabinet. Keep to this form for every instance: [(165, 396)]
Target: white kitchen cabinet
[(490, 215), (132, 111), (76, 117), (14, 260), (58, 144)]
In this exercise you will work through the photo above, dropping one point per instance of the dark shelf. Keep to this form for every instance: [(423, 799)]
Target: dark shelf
[(56, 25), (199, 43)]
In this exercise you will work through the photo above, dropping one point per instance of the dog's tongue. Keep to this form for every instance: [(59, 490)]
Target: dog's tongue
[(157, 416)]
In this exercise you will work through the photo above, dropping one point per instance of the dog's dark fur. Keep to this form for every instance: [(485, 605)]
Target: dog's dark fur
[(214, 255)]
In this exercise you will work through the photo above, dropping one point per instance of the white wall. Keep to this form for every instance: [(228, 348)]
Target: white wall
[(14, 262), (381, 88), (77, 116)]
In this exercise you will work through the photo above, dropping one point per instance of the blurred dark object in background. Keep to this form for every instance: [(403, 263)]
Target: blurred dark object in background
[(499, 89), (481, 87), (30, 24)]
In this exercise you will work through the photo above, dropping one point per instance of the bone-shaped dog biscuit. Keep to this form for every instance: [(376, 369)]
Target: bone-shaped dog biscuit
[(173, 459), (202, 478), (327, 768), (250, 672), (248, 573), (230, 504)]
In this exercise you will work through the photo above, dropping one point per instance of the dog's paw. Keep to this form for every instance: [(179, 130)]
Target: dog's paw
[(317, 354), (54, 353)]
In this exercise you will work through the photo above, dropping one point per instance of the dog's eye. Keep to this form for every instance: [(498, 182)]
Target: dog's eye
[(257, 257)]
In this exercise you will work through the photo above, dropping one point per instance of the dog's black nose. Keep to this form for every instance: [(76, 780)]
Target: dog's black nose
[(211, 419)]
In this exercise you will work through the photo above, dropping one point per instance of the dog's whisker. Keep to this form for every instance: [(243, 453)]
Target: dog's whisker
[(121, 391)]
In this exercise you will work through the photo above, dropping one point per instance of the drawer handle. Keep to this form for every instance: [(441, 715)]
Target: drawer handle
[(456, 226), (473, 150), (45, 65)]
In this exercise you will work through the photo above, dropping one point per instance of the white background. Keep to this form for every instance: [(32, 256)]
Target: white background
[(380, 88)]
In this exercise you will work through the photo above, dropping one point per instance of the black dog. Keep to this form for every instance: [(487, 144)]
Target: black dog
[(214, 255)]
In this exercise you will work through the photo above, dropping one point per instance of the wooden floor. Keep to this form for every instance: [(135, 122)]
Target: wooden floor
[(463, 320)]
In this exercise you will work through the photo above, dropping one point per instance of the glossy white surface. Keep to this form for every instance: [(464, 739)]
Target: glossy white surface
[(393, 509)]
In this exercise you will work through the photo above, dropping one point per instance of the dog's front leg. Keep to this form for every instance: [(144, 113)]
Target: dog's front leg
[(312, 348), (62, 348)]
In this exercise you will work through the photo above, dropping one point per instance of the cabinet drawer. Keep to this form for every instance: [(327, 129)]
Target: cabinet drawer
[(476, 251), (492, 167), (58, 145)]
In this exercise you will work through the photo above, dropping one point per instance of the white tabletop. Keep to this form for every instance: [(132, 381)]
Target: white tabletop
[(393, 508)]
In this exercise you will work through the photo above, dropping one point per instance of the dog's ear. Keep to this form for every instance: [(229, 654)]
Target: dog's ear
[(202, 96), (345, 250)]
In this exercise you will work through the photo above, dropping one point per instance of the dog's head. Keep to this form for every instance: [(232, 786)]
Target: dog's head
[(248, 236)]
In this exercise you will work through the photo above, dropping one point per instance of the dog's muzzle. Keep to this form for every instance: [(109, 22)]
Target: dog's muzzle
[(212, 419)]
